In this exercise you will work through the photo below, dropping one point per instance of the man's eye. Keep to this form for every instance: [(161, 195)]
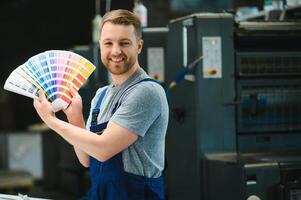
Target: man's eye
[(125, 43)]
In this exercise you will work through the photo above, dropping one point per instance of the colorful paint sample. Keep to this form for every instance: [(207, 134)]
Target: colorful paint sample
[(54, 72)]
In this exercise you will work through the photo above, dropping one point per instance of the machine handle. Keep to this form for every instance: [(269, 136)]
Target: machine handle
[(186, 23)]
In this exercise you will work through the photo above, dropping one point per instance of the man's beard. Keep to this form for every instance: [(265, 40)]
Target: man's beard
[(120, 69)]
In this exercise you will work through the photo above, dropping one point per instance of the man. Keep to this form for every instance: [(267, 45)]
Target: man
[(130, 116)]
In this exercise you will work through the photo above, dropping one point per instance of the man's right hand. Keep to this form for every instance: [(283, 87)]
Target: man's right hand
[(74, 111)]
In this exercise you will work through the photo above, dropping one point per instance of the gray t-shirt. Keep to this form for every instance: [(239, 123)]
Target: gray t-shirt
[(144, 111)]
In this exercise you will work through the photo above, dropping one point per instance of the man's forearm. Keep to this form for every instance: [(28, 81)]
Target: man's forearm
[(83, 158), (83, 141)]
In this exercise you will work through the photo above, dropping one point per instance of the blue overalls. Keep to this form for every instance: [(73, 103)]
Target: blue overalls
[(109, 181)]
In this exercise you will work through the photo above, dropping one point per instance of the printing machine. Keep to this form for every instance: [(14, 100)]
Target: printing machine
[(235, 118)]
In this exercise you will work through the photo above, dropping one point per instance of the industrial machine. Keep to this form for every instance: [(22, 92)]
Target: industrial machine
[(235, 119), (202, 116), (153, 55)]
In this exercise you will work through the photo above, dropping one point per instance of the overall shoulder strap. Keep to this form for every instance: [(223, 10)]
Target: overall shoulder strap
[(96, 109)]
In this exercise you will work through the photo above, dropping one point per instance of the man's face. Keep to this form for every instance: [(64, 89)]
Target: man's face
[(119, 47)]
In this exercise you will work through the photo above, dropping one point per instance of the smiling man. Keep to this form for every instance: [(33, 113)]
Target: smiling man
[(124, 143)]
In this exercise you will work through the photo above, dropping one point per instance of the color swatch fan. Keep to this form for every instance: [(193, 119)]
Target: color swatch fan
[(54, 72)]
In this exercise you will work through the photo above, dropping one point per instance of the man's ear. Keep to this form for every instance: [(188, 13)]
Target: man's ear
[(140, 46)]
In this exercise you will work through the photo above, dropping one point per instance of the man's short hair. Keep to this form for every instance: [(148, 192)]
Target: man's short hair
[(122, 17)]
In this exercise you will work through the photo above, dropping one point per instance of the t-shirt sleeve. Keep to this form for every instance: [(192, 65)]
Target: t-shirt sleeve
[(139, 108)]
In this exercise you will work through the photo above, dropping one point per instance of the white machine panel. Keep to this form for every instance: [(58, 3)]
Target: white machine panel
[(155, 63), (212, 62)]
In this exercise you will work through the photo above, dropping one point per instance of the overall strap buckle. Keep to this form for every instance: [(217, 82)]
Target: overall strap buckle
[(95, 113)]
